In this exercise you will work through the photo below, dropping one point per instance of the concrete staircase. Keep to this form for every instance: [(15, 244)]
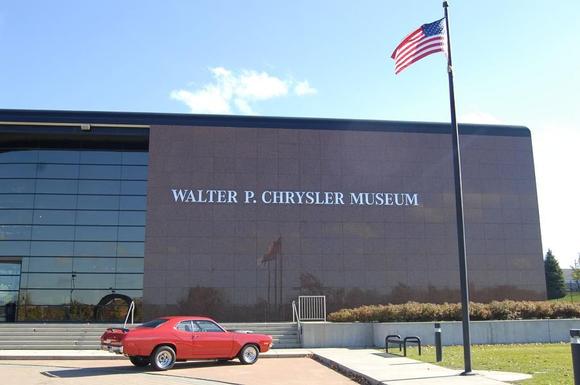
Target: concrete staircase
[(24, 336), (284, 334)]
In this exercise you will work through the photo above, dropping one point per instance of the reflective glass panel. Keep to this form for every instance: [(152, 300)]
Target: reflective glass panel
[(49, 264), (98, 202), (131, 249), (100, 172), (20, 186), (14, 232), (56, 156), (15, 217), (132, 218), (96, 233), (56, 186), (62, 171), (97, 217), (47, 201), (16, 201), (112, 187), (24, 156), (131, 233), (54, 217), (14, 248), (17, 170), (95, 265), (53, 233)]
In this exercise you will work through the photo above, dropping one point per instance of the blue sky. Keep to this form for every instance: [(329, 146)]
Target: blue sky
[(516, 63)]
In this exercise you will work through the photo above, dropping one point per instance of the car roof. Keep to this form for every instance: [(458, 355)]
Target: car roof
[(187, 317)]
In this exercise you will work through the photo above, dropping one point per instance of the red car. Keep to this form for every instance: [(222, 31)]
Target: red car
[(164, 341)]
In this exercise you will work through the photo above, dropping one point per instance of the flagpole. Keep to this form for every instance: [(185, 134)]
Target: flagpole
[(459, 209)]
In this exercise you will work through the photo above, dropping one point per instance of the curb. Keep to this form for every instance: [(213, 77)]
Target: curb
[(346, 371)]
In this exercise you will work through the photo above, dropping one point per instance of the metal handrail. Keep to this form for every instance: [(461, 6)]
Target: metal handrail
[(130, 312), (296, 318)]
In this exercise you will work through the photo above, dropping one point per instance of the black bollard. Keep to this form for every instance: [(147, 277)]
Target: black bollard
[(438, 347), (575, 344)]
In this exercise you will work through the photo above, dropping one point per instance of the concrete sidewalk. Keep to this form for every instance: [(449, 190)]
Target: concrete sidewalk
[(369, 365), (377, 367)]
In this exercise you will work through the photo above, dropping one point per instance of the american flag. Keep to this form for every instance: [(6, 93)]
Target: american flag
[(425, 40)]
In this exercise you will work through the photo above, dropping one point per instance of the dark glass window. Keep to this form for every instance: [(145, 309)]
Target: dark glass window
[(208, 326), (54, 217), (53, 233), (15, 217), (47, 280), (96, 249), (133, 203), (26, 156), (20, 186), (132, 218), (98, 202), (14, 232), (96, 233), (56, 156), (55, 202), (130, 249), (100, 172), (57, 186), (97, 217), (129, 281), (14, 248), (134, 172), (50, 264), (131, 233), (17, 170), (51, 248), (62, 171), (45, 297), (154, 323), (95, 281), (76, 221), (101, 157), (16, 201), (139, 158), (130, 265), (133, 187), (95, 265), (112, 187)]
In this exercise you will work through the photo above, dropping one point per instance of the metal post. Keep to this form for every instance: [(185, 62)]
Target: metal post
[(438, 347), (459, 209), (575, 344)]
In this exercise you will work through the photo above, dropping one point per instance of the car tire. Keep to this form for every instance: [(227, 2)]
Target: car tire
[(163, 358), (139, 361), (249, 354)]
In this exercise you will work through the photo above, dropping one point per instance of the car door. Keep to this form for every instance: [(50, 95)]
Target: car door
[(184, 336), (211, 341)]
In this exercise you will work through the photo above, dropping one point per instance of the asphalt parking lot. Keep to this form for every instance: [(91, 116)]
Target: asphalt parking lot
[(265, 371)]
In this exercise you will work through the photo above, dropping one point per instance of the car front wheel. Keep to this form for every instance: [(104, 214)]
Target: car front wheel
[(139, 361), (163, 358), (248, 355)]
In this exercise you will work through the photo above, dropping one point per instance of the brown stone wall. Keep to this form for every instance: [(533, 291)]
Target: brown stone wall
[(204, 258)]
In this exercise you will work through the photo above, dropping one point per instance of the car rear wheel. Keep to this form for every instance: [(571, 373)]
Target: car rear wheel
[(163, 358), (249, 354), (139, 361)]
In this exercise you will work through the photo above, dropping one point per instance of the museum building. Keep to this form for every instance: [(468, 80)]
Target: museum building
[(234, 216)]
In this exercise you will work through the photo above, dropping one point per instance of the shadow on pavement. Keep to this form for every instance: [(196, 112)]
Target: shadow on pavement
[(130, 369)]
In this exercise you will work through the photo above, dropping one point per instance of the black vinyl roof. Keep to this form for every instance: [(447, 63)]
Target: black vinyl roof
[(172, 119)]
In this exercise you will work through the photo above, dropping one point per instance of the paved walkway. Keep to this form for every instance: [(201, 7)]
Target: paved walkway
[(371, 365), (381, 368)]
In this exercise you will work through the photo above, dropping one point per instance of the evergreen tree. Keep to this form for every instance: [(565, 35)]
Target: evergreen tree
[(555, 285)]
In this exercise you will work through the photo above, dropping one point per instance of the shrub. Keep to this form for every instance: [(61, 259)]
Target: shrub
[(496, 310)]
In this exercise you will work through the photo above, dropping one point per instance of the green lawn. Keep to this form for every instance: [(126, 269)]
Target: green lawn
[(547, 363), (573, 297)]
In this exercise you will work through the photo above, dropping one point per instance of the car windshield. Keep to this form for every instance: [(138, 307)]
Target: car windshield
[(154, 323)]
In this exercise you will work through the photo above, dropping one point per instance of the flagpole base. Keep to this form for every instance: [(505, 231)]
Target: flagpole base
[(467, 374)]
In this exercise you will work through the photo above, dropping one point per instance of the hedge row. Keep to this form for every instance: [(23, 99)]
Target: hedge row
[(414, 311)]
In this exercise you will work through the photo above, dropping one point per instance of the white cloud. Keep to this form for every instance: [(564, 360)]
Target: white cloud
[(230, 93), (304, 88)]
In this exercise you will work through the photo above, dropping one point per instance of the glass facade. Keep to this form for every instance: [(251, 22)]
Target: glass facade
[(72, 233)]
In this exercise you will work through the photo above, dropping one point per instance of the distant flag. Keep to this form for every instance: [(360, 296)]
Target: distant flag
[(425, 40)]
